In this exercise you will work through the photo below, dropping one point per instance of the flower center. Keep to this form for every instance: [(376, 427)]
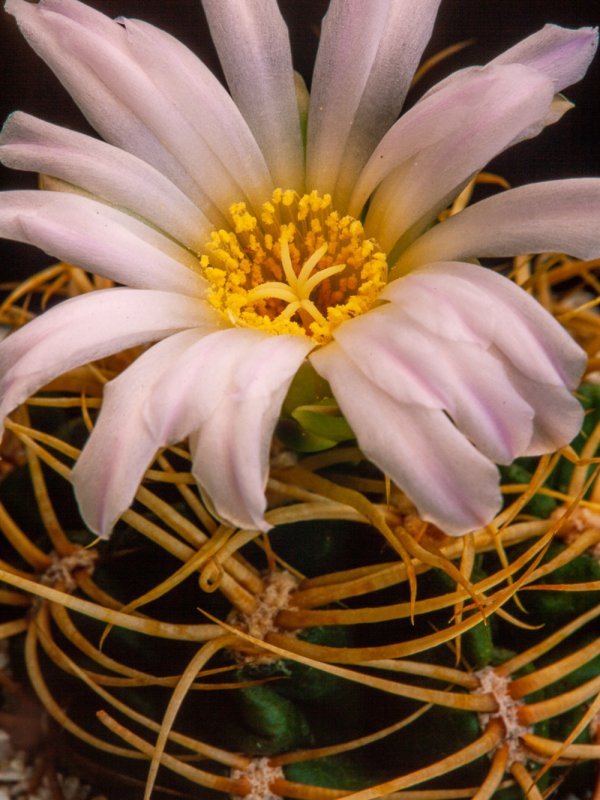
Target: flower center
[(301, 268)]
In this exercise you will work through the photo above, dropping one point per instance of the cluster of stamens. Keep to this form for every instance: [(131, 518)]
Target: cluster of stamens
[(299, 269)]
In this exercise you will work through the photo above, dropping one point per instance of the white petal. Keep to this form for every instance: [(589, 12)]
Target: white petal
[(224, 388), (89, 55), (562, 216), (413, 195), (99, 238), (388, 344), (414, 366), (488, 408), (112, 117), (452, 309), (462, 342), (254, 49), (450, 482), (462, 101), (206, 104), (439, 144), (558, 414), (193, 387), (109, 173), (561, 53), (502, 314), (366, 60), (122, 445), (72, 9), (87, 328), (231, 449)]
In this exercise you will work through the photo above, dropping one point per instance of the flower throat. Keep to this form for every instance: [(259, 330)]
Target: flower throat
[(299, 269)]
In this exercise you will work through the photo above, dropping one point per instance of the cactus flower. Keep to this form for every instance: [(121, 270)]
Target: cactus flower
[(253, 229)]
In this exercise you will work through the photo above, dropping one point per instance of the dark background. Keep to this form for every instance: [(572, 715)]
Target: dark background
[(569, 149)]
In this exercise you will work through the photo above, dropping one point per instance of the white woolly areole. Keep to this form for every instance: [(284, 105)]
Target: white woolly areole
[(275, 598), (496, 685), (281, 458), (578, 521), (62, 568), (260, 776)]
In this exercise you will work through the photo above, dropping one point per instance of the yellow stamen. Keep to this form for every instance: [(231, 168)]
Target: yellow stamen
[(299, 268)]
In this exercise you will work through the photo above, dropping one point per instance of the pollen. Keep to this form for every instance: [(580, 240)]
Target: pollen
[(298, 268)]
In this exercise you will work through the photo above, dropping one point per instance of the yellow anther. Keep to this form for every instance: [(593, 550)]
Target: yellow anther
[(299, 268)]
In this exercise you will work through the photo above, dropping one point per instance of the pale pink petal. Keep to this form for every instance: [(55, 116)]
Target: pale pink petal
[(445, 112), (225, 389), (487, 408), (425, 177), (561, 216), (231, 449), (110, 115), (99, 238), (86, 328), (90, 56), (123, 445), (105, 171), (497, 310), (451, 483), (387, 344), (561, 53), (558, 414), (424, 366), (439, 144), (194, 386), (254, 49), (367, 56), (188, 384), (454, 310), (75, 10), (182, 77), (413, 366)]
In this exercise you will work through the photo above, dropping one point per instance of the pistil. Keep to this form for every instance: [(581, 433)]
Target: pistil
[(296, 293)]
